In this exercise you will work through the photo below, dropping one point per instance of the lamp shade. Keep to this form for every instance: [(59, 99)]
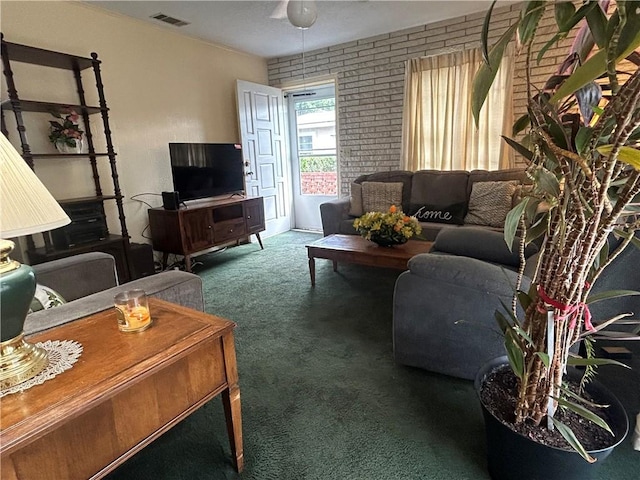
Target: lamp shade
[(302, 13), (26, 206)]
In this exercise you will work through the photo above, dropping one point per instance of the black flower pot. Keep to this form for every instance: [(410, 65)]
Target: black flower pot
[(512, 456)]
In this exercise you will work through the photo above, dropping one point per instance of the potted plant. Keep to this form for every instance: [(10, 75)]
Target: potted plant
[(65, 133), (580, 142)]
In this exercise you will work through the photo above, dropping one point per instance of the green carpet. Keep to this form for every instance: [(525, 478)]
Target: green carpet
[(321, 395)]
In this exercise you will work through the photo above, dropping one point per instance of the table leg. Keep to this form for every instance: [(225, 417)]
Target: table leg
[(187, 263), (231, 403), (312, 270), (259, 241), (335, 266)]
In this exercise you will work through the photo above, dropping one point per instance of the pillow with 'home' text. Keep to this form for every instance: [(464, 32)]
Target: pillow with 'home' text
[(450, 214)]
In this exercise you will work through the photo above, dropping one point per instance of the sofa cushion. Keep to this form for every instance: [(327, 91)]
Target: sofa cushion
[(490, 202), (496, 176), (379, 196), (355, 201), (480, 243), (450, 214), (403, 176), (435, 187)]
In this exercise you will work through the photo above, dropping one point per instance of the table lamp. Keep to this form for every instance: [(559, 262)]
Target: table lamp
[(26, 207)]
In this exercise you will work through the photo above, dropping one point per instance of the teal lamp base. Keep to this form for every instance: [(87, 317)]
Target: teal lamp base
[(19, 360)]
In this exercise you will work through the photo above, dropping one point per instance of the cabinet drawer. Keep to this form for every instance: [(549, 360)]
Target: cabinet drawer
[(228, 230)]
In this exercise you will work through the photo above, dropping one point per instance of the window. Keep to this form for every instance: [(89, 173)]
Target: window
[(438, 127), (305, 142)]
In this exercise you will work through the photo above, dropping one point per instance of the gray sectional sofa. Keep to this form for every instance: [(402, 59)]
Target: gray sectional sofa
[(444, 304), (434, 189), (88, 282)]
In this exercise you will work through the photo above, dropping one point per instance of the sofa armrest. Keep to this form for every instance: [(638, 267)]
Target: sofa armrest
[(79, 275), (174, 286), (332, 212)]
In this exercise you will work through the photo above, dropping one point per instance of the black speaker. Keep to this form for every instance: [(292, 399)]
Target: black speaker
[(141, 260), (170, 200)]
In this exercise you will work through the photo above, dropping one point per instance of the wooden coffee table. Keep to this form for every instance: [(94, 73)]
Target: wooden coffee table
[(355, 249), (125, 390)]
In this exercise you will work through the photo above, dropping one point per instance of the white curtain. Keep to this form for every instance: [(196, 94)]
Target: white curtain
[(438, 128)]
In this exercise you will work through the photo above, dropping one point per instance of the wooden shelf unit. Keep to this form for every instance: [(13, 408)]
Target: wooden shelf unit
[(203, 225), (117, 245)]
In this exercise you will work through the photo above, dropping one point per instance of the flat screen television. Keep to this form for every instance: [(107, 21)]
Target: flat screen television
[(202, 170)]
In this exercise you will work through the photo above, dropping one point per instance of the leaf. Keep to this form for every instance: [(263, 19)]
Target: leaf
[(524, 299), (485, 33), (487, 72), (598, 26), (572, 440), (503, 323), (573, 361), (631, 30), (544, 357), (514, 354), (547, 182), (592, 69), (596, 297), (523, 122), (563, 13), (538, 229), (518, 147), (583, 137), (532, 13), (512, 221), (585, 413), (628, 155)]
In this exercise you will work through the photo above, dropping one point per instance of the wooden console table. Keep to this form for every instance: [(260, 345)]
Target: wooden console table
[(125, 390), (355, 249), (202, 225)]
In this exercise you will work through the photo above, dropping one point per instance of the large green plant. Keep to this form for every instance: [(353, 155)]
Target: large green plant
[(580, 143)]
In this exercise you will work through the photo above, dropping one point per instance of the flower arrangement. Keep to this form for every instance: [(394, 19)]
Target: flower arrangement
[(65, 131), (390, 228)]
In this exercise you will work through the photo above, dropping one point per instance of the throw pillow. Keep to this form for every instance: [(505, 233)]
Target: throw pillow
[(45, 298), (451, 214), (355, 203), (490, 202), (379, 196)]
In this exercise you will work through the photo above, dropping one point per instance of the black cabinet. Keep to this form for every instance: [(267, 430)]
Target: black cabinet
[(84, 235)]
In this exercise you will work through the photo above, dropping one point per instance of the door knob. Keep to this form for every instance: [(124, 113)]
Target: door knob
[(249, 173)]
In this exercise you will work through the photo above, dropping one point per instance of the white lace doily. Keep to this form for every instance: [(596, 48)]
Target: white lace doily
[(62, 355)]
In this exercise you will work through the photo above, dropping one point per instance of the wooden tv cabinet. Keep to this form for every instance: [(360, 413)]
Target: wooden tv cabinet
[(202, 225)]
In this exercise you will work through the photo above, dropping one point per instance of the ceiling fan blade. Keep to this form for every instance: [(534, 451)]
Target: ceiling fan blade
[(280, 11)]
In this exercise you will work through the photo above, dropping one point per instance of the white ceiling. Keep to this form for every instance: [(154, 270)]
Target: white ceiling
[(247, 26)]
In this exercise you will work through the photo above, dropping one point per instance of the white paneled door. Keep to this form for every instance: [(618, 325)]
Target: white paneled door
[(262, 131)]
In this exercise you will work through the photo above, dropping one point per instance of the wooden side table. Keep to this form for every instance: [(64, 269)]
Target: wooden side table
[(125, 390)]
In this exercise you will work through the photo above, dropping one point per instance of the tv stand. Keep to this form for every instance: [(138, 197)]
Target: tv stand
[(203, 225)]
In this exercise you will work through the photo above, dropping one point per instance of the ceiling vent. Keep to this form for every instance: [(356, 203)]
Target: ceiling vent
[(170, 20)]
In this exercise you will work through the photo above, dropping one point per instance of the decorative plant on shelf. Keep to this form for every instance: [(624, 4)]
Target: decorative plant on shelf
[(66, 130), (581, 146), (386, 229)]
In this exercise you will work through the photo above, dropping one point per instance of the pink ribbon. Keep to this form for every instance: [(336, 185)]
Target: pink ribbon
[(568, 311)]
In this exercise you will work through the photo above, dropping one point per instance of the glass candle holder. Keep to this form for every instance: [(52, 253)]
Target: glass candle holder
[(132, 311)]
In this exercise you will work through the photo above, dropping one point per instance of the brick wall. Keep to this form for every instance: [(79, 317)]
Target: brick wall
[(318, 183), (370, 81)]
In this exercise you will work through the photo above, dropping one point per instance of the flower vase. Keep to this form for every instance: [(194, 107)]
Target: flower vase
[(386, 241), (64, 147)]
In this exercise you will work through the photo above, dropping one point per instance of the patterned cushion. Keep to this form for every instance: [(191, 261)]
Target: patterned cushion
[(379, 196), (356, 200), (45, 298), (490, 202)]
